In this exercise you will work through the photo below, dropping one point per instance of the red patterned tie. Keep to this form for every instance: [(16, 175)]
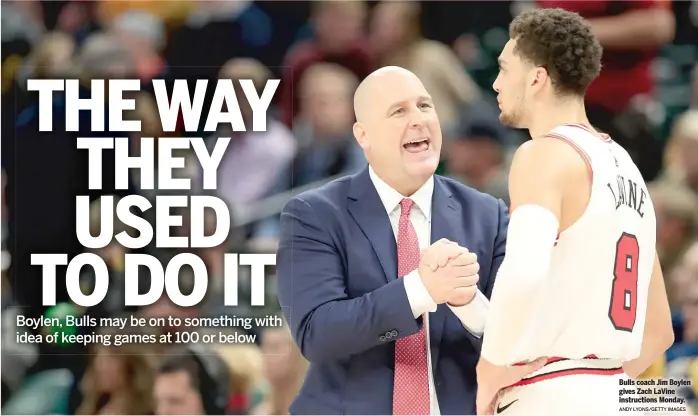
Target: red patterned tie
[(411, 391)]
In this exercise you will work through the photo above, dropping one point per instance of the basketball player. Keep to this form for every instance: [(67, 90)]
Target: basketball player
[(580, 284)]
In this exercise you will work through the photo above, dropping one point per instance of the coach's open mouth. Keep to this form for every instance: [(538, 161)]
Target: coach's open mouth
[(417, 145)]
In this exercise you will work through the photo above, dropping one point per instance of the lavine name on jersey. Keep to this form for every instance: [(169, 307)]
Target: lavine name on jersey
[(628, 193)]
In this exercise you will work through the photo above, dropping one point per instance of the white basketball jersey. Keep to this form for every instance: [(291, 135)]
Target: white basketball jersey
[(596, 299)]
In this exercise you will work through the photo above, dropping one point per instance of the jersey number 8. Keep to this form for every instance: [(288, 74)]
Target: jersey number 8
[(623, 307)]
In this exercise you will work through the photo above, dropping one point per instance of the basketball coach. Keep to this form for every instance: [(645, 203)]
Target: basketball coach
[(384, 275)]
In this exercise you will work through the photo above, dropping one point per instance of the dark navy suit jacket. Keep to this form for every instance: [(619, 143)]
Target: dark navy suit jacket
[(340, 293)]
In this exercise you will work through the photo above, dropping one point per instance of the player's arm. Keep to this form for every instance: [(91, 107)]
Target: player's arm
[(658, 335), (539, 173)]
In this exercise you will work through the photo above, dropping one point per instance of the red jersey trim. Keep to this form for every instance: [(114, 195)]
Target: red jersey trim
[(595, 367), (570, 372), (605, 137)]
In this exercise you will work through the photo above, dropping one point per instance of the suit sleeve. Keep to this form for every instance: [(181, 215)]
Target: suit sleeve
[(325, 322), (500, 243)]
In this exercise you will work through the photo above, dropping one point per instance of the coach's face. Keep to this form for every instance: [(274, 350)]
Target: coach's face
[(399, 129), (510, 86)]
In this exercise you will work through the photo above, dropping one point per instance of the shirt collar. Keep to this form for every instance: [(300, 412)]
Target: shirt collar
[(391, 198)]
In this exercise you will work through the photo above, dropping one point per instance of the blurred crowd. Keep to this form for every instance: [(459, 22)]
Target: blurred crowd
[(646, 99)]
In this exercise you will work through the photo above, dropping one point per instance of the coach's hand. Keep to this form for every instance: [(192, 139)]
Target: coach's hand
[(463, 295), (440, 253), (449, 272), (493, 378)]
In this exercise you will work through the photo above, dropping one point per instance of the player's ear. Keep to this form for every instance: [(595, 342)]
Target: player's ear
[(361, 135), (539, 77)]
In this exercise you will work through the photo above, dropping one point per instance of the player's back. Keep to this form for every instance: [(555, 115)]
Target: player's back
[(596, 301)]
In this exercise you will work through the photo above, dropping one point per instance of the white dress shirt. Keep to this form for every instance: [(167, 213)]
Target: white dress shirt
[(472, 315)]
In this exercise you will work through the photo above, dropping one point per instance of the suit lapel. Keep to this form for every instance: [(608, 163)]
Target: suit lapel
[(446, 222), (366, 208)]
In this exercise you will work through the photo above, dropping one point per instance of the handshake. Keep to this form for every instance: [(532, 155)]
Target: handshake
[(449, 273)]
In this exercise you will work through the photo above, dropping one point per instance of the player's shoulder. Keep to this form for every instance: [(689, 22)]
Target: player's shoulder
[(545, 153)]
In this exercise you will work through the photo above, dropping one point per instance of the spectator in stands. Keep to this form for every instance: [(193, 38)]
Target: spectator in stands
[(191, 383), (676, 209), (685, 275), (249, 388), (681, 159), (285, 368), (396, 39), (690, 314), (476, 157), (323, 130), (144, 35), (51, 58), (338, 27), (22, 27), (118, 379), (76, 18), (631, 33), (253, 161), (104, 56)]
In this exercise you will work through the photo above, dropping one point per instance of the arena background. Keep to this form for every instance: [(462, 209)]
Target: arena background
[(320, 51)]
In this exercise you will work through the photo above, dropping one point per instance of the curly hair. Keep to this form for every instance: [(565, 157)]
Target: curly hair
[(561, 42)]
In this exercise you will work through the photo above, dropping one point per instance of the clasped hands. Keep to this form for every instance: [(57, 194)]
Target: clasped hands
[(449, 273)]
